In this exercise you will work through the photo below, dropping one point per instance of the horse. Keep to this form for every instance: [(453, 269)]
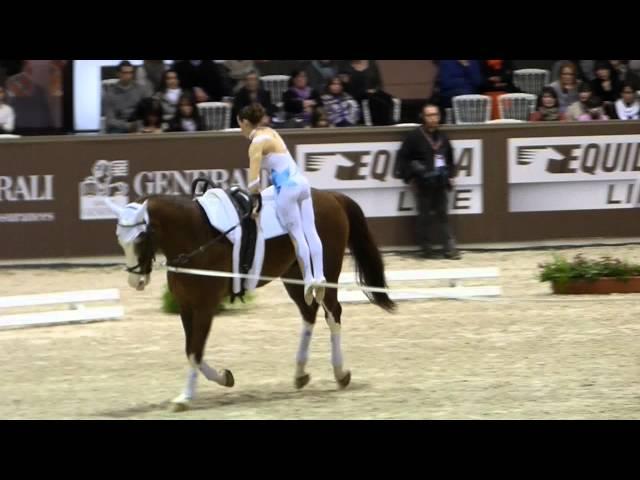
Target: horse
[(175, 225)]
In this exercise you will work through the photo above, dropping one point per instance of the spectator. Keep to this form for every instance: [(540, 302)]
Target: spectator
[(169, 94), (7, 115), (300, 100), (606, 85), (362, 78), (121, 101), (458, 77), (149, 76), (580, 107), (149, 113), (578, 66), (595, 111), (320, 119), (498, 80), (238, 71), (29, 94), (627, 107), (548, 109), (187, 118), (567, 86), (625, 74), (319, 72), (341, 108), (252, 92), (498, 76), (425, 161), (207, 80), (363, 81)]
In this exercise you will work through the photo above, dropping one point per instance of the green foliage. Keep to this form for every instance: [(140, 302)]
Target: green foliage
[(561, 270), (169, 304)]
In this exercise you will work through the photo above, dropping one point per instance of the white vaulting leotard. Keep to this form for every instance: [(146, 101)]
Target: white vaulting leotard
[(294, 208)]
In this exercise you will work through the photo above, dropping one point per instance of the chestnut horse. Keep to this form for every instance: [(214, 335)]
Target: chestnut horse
[(177, 225)]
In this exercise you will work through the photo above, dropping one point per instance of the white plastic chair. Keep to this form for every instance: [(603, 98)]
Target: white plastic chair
[(516, 106), (276, 85), (471, 109), (366, 111), (531, 80), (215, 115)]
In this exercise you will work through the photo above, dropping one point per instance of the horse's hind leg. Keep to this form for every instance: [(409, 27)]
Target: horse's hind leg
[(308, 312), (333, 312)]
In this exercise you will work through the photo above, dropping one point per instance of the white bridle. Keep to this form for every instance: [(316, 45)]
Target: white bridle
[(133, 220)]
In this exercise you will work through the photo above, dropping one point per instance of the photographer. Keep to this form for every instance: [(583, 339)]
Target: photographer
[(425, 161)]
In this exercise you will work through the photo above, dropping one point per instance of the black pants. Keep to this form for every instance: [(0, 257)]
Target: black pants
[(433, 217)]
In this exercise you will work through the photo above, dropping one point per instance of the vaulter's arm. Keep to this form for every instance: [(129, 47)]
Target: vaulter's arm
[(255, 161)]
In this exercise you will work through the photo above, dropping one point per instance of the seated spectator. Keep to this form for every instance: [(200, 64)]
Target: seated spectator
[(627, 107), (320, 119), (149, 76), (595, 111), (238, 71), (7, 115), (458, 77), (319, 72), (548, 109), (208, 80), (149, 114), (498, 80), (580, 107), (169, 94), (625, 74), (252, 92), (187, 118), (300, 100), (341, 108), (567, 86), (121, 100), (606, 85)]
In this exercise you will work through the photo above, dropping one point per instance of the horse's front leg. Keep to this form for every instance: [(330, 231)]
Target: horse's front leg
[(196, 328)]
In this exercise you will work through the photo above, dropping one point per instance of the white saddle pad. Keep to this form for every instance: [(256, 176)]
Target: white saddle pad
[(223, 215)]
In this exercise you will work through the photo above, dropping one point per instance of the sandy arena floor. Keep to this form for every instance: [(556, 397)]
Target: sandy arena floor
[(528, 355)]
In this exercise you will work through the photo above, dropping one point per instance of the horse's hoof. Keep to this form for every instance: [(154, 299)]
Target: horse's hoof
[(302, 381), (229, 381), (344, 381), (180, 403)]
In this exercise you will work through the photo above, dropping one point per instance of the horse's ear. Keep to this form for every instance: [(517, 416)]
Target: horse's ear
[(142, 214), (114, 207)]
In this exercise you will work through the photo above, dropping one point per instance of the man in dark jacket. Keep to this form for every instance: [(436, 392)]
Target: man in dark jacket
[(425, 161), (252, 92), (207, 79)]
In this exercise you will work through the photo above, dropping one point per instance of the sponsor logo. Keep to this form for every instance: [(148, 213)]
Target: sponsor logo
[(107, 179)]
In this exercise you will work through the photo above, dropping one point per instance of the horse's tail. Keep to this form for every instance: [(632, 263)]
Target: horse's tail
[(369, 264)]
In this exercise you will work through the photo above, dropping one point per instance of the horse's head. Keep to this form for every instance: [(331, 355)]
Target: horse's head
[(135, 238)]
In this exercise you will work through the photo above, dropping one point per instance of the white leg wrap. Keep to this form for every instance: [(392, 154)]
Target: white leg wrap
[(336, 349), (303, 349), (190, 388)]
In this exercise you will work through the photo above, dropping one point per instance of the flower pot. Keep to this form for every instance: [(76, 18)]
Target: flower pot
[(601, 286)]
